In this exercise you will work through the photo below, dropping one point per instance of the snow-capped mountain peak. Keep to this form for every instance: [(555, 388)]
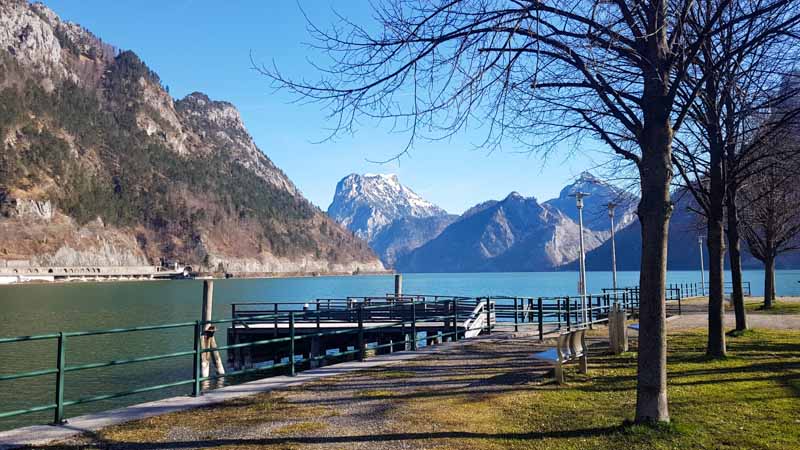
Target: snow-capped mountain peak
[(367, 203)]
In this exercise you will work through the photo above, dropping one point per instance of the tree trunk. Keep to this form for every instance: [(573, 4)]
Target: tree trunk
[(655, 208), (715, 240), (769, 280), (735, 258)]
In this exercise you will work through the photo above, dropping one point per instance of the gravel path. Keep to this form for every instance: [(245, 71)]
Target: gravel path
[(358, 406)]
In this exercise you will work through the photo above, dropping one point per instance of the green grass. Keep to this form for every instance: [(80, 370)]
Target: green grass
[(778, 307), (749, 400)]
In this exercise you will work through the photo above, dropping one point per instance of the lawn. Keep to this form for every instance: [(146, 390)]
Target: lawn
[(781, 305), (749, 400)]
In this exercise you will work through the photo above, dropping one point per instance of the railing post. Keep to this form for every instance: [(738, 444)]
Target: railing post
[(488, 316), (292, 368), (455, 319), (361, 349), (569, 314), (516, 315), (540, 311), (197, 363), (58, 417), (318, 313), (275, 320), (413, 325)]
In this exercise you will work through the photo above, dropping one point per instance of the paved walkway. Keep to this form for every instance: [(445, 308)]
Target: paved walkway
[(774, 321)]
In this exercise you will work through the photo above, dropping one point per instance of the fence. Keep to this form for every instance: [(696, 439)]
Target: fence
[(446, 311), (455, 317), (701, 289)]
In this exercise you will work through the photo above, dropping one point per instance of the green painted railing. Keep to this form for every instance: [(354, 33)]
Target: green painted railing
[(61, 367)]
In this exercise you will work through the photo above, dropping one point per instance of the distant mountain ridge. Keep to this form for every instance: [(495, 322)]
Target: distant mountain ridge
[(595, 209), (513, 234)]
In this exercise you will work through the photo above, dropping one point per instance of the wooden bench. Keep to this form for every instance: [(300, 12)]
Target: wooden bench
[(570, 347)]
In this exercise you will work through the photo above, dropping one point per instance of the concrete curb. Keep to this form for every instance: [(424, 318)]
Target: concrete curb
[(44, 434)]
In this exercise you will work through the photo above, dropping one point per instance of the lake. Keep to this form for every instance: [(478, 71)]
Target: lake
[(46, 308)]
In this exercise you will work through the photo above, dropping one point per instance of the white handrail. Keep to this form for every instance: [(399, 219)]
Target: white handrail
[(477, 320)]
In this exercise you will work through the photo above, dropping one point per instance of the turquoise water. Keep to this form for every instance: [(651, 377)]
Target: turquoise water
[(46, 308)]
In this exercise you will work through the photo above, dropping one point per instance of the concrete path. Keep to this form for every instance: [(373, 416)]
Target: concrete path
[(774, 321)]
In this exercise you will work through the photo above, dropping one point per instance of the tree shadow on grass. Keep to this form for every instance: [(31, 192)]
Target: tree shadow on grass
[(344, 440)]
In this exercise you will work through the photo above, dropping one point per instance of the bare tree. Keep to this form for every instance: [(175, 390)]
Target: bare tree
[(738, 75), (538, 73), (771, 222)]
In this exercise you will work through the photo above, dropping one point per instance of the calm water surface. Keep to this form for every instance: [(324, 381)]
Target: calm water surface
[(46, 308)]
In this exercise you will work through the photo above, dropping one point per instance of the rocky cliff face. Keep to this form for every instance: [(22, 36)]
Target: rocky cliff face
[(130, 175)]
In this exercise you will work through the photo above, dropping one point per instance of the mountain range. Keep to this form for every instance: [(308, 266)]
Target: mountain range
[(99, 165), (514, 234)]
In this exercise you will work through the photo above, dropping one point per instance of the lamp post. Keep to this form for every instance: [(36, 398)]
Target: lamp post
[(582, 258), (611, 207), (702, 269)]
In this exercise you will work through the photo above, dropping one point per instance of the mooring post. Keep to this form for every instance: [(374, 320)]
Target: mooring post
[(58, 418), (516, 315), (361, 349), (413, 325), (196, 363), (398, 286), (540, 319), (208, 340), (292, 370)]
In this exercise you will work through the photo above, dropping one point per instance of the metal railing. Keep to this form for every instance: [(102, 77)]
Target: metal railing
[(446, 313), (300, 322)]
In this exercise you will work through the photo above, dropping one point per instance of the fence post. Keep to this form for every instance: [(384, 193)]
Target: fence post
[(455, 319), (198, 353), (275, 320), (516, 314), (569, 314), (58, 418), (413, 325), (361, 349), (541, 318), (488, 316), (292, 369), (318, 313)]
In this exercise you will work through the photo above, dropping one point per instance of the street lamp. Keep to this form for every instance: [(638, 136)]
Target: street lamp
[(611, 207), (582, 258), (702, 269)]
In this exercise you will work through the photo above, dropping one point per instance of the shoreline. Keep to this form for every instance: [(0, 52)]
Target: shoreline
[(200, 276)]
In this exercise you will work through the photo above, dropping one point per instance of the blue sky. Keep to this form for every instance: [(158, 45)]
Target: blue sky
[(205, 46)]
